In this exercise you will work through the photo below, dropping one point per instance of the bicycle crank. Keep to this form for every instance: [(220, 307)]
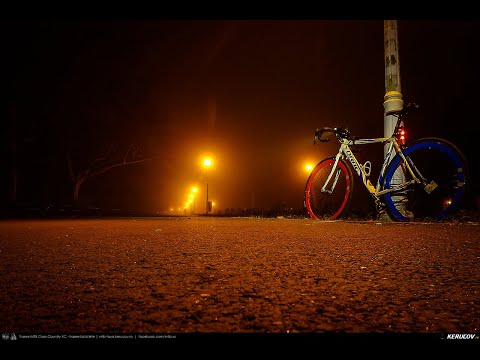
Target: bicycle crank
[(380, 206)]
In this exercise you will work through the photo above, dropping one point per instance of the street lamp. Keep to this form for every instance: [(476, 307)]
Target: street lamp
[(194, 191), (207, 163), (191, 199), (308, 167)]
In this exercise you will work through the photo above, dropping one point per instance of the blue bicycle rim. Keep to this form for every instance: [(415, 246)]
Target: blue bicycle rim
[(422, 145)]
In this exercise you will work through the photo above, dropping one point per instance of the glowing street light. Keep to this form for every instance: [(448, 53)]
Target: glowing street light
[(308, 167), (207, 163), (191, 198), (192, 202), (194, 191)]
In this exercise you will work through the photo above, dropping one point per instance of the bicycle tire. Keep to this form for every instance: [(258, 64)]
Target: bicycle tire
[(438, 160), (324, 206)]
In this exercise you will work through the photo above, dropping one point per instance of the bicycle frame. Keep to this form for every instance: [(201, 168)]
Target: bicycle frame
[(345, 152)]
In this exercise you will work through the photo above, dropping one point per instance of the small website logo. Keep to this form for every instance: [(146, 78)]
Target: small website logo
[(7, 336), (462, 336)]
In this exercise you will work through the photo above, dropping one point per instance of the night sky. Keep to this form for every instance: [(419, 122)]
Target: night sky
[(249, 92)]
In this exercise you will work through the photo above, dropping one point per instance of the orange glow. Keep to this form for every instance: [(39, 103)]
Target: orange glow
[(447, 202), (308, 167), (207, 162), (194, 189)]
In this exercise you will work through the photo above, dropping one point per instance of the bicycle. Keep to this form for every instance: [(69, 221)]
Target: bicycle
[(422, 180)]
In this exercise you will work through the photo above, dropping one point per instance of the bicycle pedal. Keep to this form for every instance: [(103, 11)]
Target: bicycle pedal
[(430, 187)]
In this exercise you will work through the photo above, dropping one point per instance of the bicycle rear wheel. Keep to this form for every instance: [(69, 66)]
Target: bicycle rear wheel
[(328, 205), (444, 168)]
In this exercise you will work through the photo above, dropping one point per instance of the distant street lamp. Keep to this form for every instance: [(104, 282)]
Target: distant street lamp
[(207, 163), (194, 191), (191, 200), (308, 167)]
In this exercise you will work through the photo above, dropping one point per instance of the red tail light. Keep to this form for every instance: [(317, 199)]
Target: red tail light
[(401, 136)]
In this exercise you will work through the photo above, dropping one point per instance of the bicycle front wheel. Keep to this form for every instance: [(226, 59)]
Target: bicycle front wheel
[(334, 201), (442, 166)]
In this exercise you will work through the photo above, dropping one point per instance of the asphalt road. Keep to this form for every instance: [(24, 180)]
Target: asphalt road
[(238, 275)]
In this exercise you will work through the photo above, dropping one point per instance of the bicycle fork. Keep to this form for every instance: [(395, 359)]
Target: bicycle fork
[(334, 183)]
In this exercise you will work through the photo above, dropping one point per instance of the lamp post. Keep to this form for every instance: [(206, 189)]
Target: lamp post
[(207, 163), (194, 191), (191, 198)]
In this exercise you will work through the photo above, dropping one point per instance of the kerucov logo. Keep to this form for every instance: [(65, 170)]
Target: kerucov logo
[(461, 336)]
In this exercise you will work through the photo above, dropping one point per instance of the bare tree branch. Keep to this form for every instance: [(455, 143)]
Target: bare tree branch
[(109, 167), (100, 165)]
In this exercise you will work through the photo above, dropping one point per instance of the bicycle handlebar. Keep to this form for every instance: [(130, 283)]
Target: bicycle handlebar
[(323, 135), (319, 135)]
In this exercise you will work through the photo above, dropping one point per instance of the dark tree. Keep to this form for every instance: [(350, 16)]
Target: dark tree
[(111, 159)]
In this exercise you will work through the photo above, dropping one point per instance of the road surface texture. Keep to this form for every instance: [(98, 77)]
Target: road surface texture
[(238, 275)]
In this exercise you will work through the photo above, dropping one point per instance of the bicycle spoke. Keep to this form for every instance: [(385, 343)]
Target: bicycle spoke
[(439, 166)]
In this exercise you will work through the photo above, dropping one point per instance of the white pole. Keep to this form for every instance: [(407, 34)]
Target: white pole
[(393, 90), (393, 95)]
